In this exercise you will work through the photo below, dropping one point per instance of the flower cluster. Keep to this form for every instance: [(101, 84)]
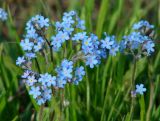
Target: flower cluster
[(3, 15), (139, 42), (34, 40), (87, 47), (39, 85), (64, 30)]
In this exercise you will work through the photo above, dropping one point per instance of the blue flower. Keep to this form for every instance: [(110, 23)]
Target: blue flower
[(141, 24), (38, 47), (31, 80), (79, 36), (140, 89), (67, 28), (79, 73), (66, 73), (43, 22), (47, 80), (31, 33), (61, 82), (56, 42), (26, 74), (51, 81), (68, 20), (65, 70), (26, 45), (149, 47), (3, 15), (81, 24), (30, 55), (40, 101), (20, 60), (47, 94), (91, 60), (63, 36), (113, 51), (107, 42), (35, 91)]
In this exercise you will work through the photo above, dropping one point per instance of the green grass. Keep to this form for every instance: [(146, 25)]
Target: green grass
[(103, 95)]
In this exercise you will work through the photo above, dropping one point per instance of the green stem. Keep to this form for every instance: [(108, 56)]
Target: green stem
[(39, 70), (133, 88), (61, 104), (87, 91), (41, 113)]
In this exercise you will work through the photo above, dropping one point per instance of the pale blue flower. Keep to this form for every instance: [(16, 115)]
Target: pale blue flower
[(141, 24), (26, 45), (91, 61), (140, 89), (31, 80), (35, 91), (79, 36), (3, 15), (107, 42), (149, 47), (20, 60)]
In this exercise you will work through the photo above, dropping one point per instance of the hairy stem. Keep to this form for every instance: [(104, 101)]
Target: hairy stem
[(133, 88)]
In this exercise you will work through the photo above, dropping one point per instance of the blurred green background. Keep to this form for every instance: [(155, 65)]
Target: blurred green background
[(104, 95)]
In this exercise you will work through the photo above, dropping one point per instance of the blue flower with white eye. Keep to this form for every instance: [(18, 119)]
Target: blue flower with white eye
[(64, 71), (31, 80), (79, 36), (3, 15), (141, 24), (63, 36), (47, 80), (26, 45), (20, 60), (87, 42), (107, 42), (91, 60), (67, 28), (51, 81), (140, 89), (35, 91), (149, 47), (56, 42)]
